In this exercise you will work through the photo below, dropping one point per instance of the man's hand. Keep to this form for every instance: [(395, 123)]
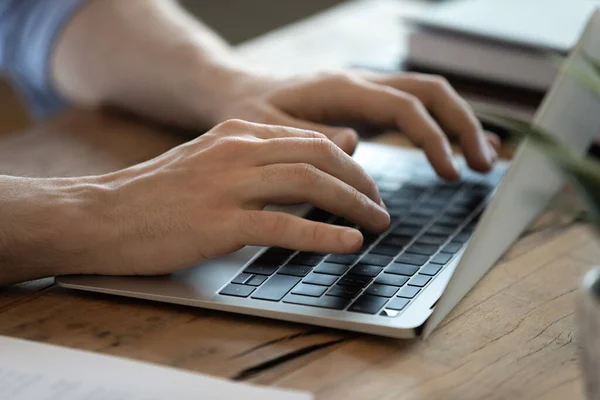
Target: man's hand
[(424, 107), (166, 65), (206, 198)]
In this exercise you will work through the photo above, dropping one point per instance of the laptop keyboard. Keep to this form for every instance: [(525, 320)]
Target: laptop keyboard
[(430, 224)]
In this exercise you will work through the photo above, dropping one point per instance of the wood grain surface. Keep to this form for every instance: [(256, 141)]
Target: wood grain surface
[(512, 337)]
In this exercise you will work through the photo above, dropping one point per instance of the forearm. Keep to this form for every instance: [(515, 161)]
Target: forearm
[(148, 56), (44, 224)]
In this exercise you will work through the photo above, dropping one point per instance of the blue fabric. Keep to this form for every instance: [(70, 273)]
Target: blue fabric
[(28, 32)]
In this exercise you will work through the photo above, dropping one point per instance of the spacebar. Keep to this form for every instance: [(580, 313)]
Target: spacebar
[(336, 303), (276, 287)]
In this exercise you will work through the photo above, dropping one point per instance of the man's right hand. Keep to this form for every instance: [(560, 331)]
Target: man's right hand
[(206, 198)]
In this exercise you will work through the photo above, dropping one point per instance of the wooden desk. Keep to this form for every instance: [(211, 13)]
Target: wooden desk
[(511, 337)]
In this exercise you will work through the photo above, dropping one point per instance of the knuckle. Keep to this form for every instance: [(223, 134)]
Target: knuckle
[(324, 147), (231, 144), (340, 77), (248, 223), (439, 84), (277, 224), (233, 126), (412, 103), (315, 233), (317, 135), (306, 174), (357, 196)]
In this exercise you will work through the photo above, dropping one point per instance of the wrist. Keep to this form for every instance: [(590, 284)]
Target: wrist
[(49, 226), (216, 83)]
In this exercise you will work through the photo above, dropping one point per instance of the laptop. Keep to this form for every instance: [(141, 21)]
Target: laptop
[(443, 238)]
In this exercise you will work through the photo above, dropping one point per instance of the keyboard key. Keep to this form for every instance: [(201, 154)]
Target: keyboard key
[(320, 279), (237, 290), (427, 212), (391, 279), (385, 250), (381, 290), (340, 221), (242, 278), (309, 290), (462, 237), (406, 230), (413, 259), (257, 280), (415, 221), (432, 240), (318, 215), (448, 220), (331, 269), (397, 304), (368, 237), (440, 230), (274, 256), (452, 248), (419, 280), (306, 258), (276, 287), (332, 302), (348, 292), (430, 269), (345, 259), (444, 192), (295, 270), (441, 258), (368, 304), (408, 292), (399, 202), (370, 271), (402, 269), (398, 211), (412, 190), (261, 269), (459, 212), (423, 249), (376, 259), (355, 281), (396, 241), (434, 202)]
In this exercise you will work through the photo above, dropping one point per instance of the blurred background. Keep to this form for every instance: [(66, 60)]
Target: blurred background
[(240, 20), (235, 20)]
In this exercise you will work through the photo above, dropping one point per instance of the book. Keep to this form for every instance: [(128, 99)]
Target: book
[(500, 41), (30, 370)]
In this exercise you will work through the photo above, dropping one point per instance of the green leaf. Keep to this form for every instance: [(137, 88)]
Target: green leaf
[(583, 172), (587, 73)]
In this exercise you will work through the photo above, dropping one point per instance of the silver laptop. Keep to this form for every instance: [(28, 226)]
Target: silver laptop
[(443, 238)]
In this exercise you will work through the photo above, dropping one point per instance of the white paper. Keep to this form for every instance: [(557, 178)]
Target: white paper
[(30, 370)]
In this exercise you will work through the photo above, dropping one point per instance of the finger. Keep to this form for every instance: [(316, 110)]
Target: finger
[(453, 113), (494, 140), (324, 155), (347, 97), (345, 138), (268, 228), (304, 183)]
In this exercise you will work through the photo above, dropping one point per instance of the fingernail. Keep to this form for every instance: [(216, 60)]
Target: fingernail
[(351, 238), (382, 215), (456, 166), (492, 154)]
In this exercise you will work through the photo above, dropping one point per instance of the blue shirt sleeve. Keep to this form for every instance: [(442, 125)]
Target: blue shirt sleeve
[(29, 30)]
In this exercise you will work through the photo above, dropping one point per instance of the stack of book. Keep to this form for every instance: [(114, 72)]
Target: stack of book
[(506, 42)]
